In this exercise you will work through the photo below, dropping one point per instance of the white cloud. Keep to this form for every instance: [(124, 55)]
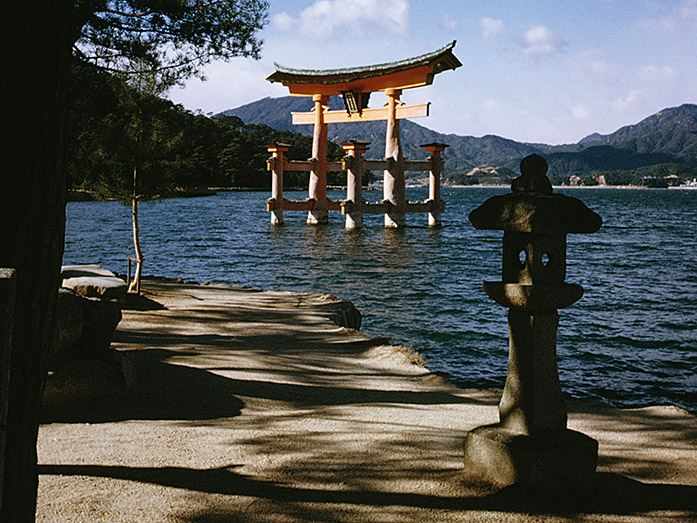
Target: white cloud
[(283, 22), (620, 85), (493, 106), (539, 42), (617, 93), (591, 68), (579, 112), (491, 28), (533, 45), (687, 11), (325, 17), (684, 15), (654, 73), (448, 24), (627, 102)]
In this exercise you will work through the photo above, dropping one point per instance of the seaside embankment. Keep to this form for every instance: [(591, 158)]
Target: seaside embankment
[(259, 406)]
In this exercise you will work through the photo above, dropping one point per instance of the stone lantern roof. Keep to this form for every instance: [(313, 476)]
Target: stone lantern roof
[(532, 207)]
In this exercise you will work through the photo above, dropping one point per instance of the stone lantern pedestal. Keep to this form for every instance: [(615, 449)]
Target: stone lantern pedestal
[(531, 444)]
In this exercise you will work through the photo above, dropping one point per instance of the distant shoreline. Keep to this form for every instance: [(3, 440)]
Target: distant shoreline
[(83, 196), (633, 187)]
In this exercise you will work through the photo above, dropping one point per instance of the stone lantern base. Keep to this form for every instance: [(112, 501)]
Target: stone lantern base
[(555, 460)]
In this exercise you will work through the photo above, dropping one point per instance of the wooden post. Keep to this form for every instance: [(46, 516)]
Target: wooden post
[(394, 190), (317, 190), (7, 307), (276, 165), (434, 181), (354, 181)]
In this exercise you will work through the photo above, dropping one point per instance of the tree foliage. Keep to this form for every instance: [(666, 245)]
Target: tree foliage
[(129, 130), (114, 127), (118, 125), (171, 38)]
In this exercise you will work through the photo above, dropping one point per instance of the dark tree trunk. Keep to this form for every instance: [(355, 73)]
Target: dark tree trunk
[(35, 41)]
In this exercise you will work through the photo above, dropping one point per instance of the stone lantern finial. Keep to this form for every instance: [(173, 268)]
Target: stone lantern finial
[(533, 179), (531, 444)]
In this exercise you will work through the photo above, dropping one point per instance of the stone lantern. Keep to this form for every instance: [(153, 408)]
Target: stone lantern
[(531, 444)]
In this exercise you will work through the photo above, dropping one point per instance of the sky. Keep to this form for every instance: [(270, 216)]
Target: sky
[(543, 71)]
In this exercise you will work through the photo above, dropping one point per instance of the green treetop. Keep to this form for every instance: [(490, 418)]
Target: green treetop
[(173, 38)]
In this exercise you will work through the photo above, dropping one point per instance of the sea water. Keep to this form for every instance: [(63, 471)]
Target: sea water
[(630, 341)]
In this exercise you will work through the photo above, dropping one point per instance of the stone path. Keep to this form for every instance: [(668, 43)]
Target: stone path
[(256, 406)]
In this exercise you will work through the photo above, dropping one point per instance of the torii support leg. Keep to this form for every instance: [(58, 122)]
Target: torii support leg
[(354, 180), (435, 149), (317, 190), (275, 165), (394, 190)]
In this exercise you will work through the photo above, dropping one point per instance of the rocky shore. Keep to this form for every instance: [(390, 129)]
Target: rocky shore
[(271, 406), (83, 364)]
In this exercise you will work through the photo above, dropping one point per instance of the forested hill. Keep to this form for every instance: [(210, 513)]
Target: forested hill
[(662, 145)]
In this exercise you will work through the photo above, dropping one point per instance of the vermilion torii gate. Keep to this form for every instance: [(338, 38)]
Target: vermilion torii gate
[(355, 86)]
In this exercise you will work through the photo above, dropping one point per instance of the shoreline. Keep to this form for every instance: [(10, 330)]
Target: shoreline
[(257, 406), (84, 196), (623, 187), (417, 355)]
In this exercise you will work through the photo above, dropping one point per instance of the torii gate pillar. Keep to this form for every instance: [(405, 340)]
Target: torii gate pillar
[(394, 190), (317, 190), (435, 150), (276, 164), (353, 163)]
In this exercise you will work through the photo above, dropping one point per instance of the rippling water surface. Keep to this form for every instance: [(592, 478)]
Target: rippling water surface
[(631, 340)]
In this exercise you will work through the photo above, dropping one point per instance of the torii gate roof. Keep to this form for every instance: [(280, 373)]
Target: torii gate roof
[(404, 74)]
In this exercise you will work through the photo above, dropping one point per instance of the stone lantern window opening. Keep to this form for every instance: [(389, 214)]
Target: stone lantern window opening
[(530, 258)]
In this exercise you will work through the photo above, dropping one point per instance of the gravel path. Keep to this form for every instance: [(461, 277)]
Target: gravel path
[(257, 406)]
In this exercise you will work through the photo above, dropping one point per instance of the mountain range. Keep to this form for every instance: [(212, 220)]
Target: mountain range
[(664, 143)]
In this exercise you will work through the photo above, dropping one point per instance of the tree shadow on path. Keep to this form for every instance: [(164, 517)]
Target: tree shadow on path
[(611, 494), (161, 391)]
